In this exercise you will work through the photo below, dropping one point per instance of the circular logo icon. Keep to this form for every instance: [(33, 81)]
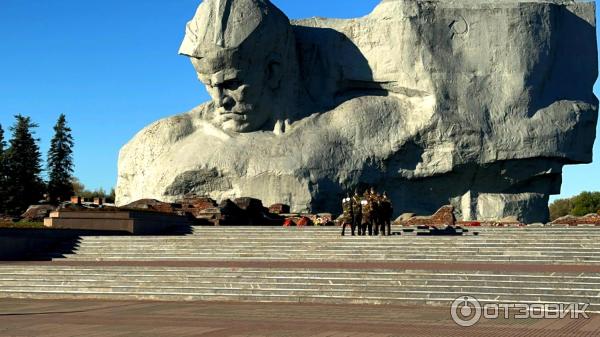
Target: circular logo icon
[(466, 311)]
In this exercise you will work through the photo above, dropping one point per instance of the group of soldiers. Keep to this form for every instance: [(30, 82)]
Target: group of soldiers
[(370, 211)]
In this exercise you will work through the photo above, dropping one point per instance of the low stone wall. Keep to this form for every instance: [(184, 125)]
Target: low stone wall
[(134, 222)]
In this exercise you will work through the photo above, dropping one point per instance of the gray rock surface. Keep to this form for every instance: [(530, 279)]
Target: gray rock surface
[(475, 103)]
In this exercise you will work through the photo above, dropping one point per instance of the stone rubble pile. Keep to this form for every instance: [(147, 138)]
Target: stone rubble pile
[(443, 217), (590, 219)]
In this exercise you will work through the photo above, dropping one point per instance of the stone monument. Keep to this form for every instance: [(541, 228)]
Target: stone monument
[(478, 104)]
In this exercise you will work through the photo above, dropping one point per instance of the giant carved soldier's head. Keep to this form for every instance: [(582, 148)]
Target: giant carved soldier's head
[(241, 50)]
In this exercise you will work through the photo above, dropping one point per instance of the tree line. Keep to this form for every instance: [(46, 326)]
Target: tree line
[(21, 183), (580, 205)]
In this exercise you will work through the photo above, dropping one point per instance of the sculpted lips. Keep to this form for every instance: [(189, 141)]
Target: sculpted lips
[(239, 112), (232, 115)]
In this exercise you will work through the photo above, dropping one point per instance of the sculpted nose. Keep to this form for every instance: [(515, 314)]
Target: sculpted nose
[(225, 101), (228, 103)]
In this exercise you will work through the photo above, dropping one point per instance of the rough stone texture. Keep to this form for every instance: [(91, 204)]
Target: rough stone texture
[(590, 219), (443, 217), (197, 207), (405, 216), (279, 209), (152, 205), (475, 103), (37, 213)]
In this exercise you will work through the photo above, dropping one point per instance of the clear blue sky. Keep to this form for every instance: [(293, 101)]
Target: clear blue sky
[(112, 67)]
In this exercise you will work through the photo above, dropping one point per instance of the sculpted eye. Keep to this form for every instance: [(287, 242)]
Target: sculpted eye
[(231, 84)]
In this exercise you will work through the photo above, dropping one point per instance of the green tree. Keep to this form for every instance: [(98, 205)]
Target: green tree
[(81, 191), (60, 162), (560, 208), (3, 195), (586, 203), (78, 187), (24, 185), (111, 196)]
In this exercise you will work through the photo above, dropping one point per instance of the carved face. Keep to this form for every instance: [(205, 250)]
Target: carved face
[(240, 93)]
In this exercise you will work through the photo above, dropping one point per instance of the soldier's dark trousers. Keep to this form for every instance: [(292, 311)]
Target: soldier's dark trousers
[(370, 225), (387, 223), (357, 223), (363, 229), (352, 227), (382, 227)]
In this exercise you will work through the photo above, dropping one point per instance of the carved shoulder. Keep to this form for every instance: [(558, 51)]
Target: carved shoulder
[(160, 136)]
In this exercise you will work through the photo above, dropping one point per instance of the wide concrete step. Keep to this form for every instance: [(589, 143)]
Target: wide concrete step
[(326, 276), (360, 241), (338, 255), (411, 233), (338, 230), (135, 271), (283, 251), (463, 286), (395, 227), (339, 243), (299, 290), (332, 247), (133, 246), (374, 286), (65, 273), (416, 299), (336, 236), (572, 261), (535, 294), (299, 254), (403, 231)]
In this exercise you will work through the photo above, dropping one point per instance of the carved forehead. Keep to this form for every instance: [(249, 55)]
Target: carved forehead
[(219, 67), (217, 60)]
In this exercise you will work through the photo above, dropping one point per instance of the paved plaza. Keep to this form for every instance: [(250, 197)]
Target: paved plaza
[(45, 318)]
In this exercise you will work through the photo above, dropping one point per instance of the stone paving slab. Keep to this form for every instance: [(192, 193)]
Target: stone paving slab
[(43, 318), (497, 267)]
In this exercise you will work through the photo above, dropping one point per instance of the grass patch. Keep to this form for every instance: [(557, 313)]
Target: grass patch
[(21, 224)]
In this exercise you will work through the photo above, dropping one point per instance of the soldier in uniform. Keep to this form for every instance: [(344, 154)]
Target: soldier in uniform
[(348, 216), (375, 211), (387, 211), (357, 212), (367, 213)]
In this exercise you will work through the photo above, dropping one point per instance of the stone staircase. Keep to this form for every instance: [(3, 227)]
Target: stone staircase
[(296, 285), (492, 245), (150, 269)]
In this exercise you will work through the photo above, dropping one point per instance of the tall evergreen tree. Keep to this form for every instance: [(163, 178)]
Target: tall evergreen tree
[(24, 185), (3, 195), (60, 162)]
